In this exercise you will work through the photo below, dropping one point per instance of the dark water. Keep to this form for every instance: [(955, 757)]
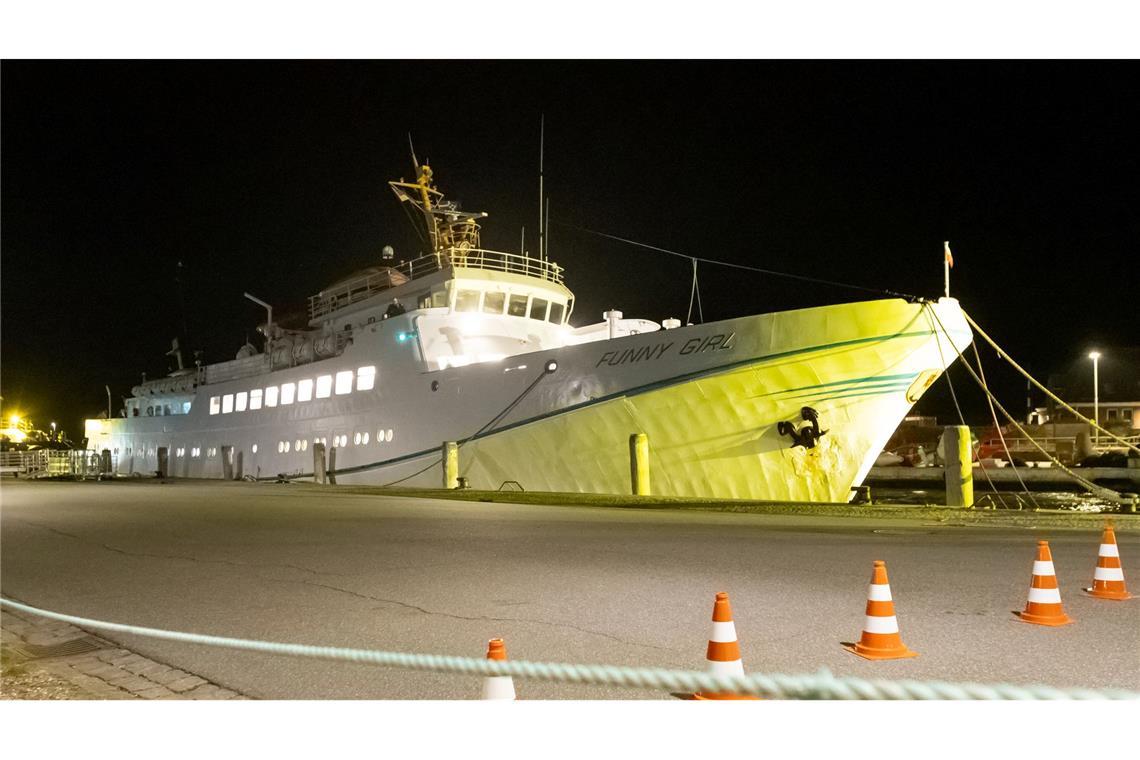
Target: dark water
[(984, 497)]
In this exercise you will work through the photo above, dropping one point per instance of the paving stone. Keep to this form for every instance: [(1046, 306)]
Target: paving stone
[(109, 655), (185, 684), (168, 677), (88, 668), (104, 671), (207, 691), (155, 692), (144, 667)]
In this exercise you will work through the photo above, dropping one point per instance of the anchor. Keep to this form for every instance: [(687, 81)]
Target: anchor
[(806, 436)]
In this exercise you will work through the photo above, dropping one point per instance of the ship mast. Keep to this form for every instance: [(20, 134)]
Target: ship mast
[(450, 230)]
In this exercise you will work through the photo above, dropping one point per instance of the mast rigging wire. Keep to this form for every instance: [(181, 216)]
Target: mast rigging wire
[(746, 267)]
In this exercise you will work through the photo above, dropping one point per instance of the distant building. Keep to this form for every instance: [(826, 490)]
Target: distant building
[(1119, 386)]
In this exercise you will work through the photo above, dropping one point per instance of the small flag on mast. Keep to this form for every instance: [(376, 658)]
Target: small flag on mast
[(949, 256)]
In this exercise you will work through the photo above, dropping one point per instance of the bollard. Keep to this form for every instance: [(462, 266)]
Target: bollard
[(450, 465), (318, 463), (330, 474), (639, 464), (959, 466)]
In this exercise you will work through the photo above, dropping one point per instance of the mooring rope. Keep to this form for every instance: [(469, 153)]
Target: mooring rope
[(821, 685), (1101, 491), (1005, 355)]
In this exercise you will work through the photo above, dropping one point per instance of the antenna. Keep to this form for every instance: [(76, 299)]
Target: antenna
[(412, 148), (541, 146), (546, 243), (522, 242)]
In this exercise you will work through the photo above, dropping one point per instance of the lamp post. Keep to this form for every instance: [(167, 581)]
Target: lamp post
[(1095, 356)]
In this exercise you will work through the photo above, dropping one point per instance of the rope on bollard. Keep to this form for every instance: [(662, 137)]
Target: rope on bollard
[(821, 685)]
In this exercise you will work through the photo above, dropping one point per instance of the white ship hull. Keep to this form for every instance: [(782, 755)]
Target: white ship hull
[(709, 397)]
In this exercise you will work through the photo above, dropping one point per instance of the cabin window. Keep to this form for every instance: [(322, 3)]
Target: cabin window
[(467, 300), (423, 300), (439, 298), (271, 396), (556, 313), (1112, 414), (538, 309), (150, 411), (186, 407), (516, 307), (344, 382), (365, 378), (324, 386), (493, 302), (288, 391), (1127, 414), (305, 390), (255, 399), (227, 403), (241, 401)]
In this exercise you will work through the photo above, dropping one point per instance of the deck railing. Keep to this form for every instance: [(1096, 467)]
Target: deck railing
[(366, 286)]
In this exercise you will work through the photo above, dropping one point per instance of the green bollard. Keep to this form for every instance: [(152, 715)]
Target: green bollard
[(450, 465), (639, 464), (959, 466)]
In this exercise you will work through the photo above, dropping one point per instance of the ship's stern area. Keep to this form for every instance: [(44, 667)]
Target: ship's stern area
[(786, 406)]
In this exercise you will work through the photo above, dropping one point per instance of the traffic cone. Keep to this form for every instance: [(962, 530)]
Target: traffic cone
[(1108, 578), (880, 639), (1044, 605), (498, 687), (723, 653)]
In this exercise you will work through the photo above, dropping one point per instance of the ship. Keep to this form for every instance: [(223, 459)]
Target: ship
[(475, 349)]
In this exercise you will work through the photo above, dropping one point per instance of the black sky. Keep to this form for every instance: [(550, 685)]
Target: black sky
[(271, 178)]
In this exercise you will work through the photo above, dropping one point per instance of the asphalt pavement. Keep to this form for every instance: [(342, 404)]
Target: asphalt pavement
[(559, 583)]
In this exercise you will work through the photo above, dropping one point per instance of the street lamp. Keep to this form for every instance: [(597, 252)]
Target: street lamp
[(1095, 356)]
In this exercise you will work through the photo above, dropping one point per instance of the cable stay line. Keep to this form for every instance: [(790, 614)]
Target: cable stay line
[(745, 267)]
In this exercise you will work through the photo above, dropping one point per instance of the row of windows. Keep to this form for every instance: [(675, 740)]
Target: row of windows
[(341, 441), (1125, 414), (301, 391), (517, 306)]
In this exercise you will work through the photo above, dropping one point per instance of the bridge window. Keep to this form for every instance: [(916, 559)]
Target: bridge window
[(516, 307), (241, 401), (556, 310), (467, 300), (227, 403), (305, 390), (538, 309), (255, 399), (324, 386), (186, 407), (493, 302), (365, 378), (343, 382), (288, 391), (271, 396)]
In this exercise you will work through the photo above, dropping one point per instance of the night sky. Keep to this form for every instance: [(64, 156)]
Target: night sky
[(272, 178)]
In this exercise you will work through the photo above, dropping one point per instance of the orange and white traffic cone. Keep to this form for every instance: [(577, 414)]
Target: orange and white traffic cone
[(723, 653), (1044, 605), (498, 687), (1108, 578), (880, 639)]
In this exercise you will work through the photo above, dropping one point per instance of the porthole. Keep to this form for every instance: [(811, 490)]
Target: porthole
[(388, 435), (356, 439), (281, 447), (297, 444), (304, 444), (364, 439), (286, 447), (253, 448), (380, 436), (434, 385)]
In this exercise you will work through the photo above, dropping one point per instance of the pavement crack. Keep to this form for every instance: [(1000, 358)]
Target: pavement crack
[(425, 611)]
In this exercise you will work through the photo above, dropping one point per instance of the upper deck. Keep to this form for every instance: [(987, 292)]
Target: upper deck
[(367, 285)]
